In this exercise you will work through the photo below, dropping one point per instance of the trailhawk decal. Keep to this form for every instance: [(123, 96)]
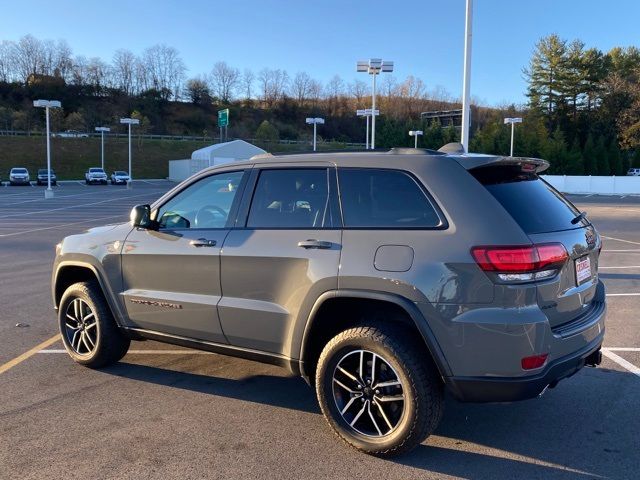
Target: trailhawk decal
[(154, 303)]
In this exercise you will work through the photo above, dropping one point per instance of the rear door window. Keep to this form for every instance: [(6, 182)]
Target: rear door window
[(534, 204), (291, 198), (381, 198)]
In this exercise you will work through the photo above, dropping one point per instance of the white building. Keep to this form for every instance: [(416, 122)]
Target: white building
[(217, 154)]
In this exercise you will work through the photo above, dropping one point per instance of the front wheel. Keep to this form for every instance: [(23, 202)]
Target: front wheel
[(89, 331), (378, 389)]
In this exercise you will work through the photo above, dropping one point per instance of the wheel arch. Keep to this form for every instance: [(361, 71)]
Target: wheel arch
[(380, 302), (72, 271)]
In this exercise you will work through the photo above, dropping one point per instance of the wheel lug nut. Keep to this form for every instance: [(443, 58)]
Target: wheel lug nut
[(377, 392)]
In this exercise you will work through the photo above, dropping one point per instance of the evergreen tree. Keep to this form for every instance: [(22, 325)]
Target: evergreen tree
[(589, 156), (635, 161), (615, 162), (575, 165), (602, 164)]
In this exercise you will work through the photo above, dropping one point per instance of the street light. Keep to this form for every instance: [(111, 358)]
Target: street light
[(367, 112), (315, 121), (416, 134), (513, 122), (373, 67), (47, 104), (102, 130), (129, 122), (466, 78)]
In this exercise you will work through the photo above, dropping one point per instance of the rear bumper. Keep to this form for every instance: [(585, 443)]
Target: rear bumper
[(483, 389)]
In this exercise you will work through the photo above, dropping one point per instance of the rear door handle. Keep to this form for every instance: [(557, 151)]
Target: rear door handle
[(315, 244), (202, 242)]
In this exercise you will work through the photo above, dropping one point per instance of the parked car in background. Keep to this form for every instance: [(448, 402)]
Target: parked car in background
[(42, 177), (71, 134), (633, 172), (119, 177), (19, 176), (95, 175)]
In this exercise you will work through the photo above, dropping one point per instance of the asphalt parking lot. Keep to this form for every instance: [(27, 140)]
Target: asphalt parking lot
[(166, 412)]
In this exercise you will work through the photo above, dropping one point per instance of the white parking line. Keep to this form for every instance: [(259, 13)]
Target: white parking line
[(621, 361), (620, 251), (81, 206), (623, 294), (144, 352), (621, 240), (622, 349), (626, 266), (88, 220)]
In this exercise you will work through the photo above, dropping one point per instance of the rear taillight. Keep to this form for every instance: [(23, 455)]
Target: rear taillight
[(521, 263)]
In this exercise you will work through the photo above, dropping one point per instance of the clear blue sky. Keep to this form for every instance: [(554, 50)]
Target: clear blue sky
[(326, 37)]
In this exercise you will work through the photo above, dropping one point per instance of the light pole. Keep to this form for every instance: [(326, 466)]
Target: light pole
[(315, 121), (466, 78), (415, 134), (513, 122), (102, 130), (373, 67), (129, 122), (47, 104), (367, 113)]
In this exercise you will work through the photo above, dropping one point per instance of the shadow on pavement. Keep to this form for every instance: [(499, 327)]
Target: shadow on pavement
[(575, 431)]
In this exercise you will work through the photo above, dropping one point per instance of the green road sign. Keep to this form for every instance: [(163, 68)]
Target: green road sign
[(223, 117)]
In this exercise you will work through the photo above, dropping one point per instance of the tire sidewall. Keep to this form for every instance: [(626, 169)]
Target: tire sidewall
[(324, 384), (85, 295)]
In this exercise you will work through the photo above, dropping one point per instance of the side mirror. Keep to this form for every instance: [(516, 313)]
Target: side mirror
[(141, 216)]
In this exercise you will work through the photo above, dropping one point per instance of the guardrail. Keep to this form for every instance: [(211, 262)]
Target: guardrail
[(197, 138), (595, 184)]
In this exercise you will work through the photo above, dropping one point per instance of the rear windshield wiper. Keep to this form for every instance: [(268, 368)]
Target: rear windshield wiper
[(579, 217)]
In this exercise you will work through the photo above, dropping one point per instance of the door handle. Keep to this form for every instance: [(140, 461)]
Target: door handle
[(202, 242), (321, 244)]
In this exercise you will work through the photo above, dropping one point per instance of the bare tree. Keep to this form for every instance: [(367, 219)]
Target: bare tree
[(224, 80), (248, 77), (315, 92), (273, 84), (6, 66), (300, 86), (165, 70), (359, 90), (27, 57), (96, 74), (124, 70)]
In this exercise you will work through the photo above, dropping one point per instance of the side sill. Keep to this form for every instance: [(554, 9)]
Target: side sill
[(248, 354)]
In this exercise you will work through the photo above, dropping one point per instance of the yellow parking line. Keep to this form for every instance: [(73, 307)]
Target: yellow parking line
[(21, 358)]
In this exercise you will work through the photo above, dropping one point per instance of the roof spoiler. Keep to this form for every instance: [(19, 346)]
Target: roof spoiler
[(527, 164), (453, 147)]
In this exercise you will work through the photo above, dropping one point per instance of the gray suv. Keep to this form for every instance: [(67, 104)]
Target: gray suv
[(383, 279)]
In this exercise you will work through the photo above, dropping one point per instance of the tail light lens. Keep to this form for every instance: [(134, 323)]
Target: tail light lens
[(521, 263), (535, 361)]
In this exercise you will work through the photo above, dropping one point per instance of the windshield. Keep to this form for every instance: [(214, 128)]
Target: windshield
[(18, 170), (96, 170), (44, 171), (120, 172)]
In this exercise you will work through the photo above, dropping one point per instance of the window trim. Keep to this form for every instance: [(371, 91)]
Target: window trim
[(233, 211), (443, 225), (332, 202)]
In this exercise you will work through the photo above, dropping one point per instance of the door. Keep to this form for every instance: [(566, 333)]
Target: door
[(286, 255), (172, 276)]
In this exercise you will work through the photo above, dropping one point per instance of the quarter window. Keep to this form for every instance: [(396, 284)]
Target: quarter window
[(204, 204), (290, 198), (377, 198)]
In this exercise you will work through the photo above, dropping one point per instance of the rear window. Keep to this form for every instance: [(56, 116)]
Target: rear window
[(534, 204), (96, 170), (18, 170), (377, 198)]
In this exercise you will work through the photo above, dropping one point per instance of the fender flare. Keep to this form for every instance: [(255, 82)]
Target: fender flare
[(98, 274), (407, 305)]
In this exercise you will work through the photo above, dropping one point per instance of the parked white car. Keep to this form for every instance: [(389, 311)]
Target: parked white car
[(633, 172), (71, 134), (95, 175), (119, 177)]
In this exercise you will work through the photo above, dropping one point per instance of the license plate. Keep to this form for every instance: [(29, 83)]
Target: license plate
[(583, 270)]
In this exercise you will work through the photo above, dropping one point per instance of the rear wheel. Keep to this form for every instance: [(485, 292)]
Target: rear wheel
[(378, 389), (89, 332)]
